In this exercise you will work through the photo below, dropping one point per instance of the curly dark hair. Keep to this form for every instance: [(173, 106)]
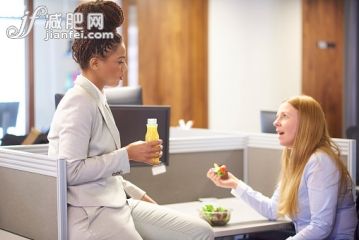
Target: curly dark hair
[(83, 49)]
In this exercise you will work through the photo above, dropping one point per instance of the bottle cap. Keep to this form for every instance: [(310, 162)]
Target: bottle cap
[(152, 121)]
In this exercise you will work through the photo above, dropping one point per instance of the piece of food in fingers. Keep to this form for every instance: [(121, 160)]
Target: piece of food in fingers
[(221, 171)]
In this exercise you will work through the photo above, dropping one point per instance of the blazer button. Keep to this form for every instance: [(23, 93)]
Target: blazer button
[(117, 173)]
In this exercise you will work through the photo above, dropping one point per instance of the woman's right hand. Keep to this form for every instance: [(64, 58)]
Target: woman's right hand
[(145, 152), (230, 182)]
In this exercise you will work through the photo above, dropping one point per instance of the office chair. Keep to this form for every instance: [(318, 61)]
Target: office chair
[(8, 115), (129, 95), (356, 235), (352, 132), (58, 97), (267, 118), (116, 96)]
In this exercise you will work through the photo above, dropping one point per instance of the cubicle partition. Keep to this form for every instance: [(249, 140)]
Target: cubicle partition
[(192, 153), (33, 193), (263, 159), (33, 186), (253, 157)]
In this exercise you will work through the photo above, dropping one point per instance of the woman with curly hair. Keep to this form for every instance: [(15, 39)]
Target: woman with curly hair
[(83, 133)]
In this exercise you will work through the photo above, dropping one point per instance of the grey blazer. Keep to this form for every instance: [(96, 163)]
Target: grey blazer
[(83, 133)]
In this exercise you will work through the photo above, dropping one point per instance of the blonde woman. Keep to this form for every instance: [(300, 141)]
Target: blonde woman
[(315, 189)]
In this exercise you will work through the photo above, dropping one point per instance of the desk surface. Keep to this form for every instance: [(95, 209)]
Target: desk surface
[(10, 236), (244, 219)]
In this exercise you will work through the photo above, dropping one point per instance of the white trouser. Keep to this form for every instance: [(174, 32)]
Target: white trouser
[(135, 221)]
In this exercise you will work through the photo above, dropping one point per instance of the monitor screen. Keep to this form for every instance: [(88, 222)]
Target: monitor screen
[(267, 118), (8, 115), (131, 122)]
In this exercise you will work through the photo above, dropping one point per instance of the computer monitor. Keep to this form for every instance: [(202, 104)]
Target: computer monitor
[(128, 95), (267, 118), (8, 115), (131, 122)]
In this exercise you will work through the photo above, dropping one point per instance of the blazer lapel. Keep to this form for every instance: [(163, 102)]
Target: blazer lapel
[(105, 111), (110, 122)]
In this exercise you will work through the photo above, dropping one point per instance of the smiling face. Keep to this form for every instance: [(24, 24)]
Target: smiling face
[(286, 124)]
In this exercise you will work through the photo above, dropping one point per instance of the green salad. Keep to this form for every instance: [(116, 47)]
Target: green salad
[(215, 215)]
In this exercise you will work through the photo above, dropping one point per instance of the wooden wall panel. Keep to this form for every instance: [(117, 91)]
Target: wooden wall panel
[(125, 4), (323, 73), (30, 79), (173, 56)]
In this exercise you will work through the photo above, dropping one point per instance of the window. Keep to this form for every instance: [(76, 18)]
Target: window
[(12, 62)]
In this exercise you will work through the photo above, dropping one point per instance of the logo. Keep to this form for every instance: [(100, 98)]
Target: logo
[(60, 26), (16, 33)]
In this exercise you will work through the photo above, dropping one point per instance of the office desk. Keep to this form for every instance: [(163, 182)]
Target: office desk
[(243, 219), (10, 236)]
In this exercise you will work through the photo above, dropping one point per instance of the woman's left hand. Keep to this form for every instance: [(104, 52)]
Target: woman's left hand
[(231, 182), (147, 198)]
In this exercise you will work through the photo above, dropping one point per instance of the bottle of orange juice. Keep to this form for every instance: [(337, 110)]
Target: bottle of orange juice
[(152, 134)]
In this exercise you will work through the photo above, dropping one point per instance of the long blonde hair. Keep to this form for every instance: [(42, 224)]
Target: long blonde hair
[(312, 135)]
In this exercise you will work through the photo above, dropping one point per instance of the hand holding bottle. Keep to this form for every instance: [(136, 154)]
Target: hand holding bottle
[(145, 152), (152, 135)]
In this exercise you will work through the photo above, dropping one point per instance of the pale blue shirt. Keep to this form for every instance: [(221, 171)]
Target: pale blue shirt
[(322, 214)]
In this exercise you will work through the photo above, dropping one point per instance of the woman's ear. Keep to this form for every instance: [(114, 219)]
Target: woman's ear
[(94, 63)]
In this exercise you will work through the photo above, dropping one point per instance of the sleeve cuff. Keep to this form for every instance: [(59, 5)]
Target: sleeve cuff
[(241, 188), (124, 166), (134, 191)]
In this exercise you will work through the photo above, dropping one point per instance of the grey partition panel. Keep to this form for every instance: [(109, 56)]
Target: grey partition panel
[(24, 208), (185, 179), (263, 168)]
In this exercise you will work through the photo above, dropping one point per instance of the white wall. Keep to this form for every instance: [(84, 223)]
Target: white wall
[(54, 67), (254, 59)]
